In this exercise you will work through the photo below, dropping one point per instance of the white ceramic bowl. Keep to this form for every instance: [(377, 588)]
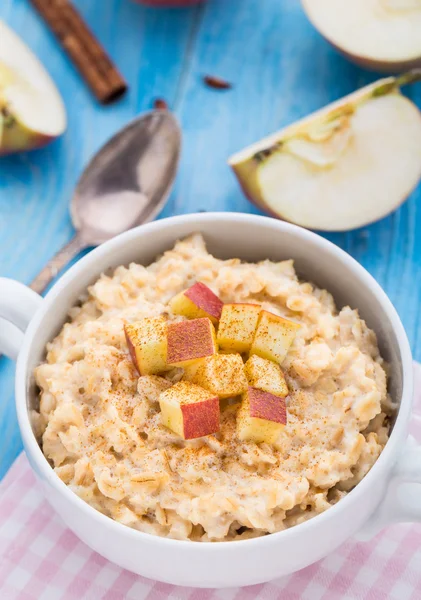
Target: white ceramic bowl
[(371, 505)]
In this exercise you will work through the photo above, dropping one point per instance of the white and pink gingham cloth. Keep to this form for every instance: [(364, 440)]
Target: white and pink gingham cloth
[(42, 560)]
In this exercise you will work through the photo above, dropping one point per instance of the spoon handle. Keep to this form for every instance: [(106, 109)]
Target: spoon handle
[(56, 264)]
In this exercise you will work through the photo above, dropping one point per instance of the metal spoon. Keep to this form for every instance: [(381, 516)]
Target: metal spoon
[(125, 184)]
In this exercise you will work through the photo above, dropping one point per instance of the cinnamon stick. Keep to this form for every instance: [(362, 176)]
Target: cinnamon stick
[(87, 54)]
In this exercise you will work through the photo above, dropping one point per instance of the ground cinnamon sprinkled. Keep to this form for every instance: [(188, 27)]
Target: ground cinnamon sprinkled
[(188, 340), (215, 472)]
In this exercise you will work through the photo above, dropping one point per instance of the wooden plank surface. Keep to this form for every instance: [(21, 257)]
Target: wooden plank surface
[(280, 69)]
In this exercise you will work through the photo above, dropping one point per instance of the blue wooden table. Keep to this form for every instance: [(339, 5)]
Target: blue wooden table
[(280, 68)]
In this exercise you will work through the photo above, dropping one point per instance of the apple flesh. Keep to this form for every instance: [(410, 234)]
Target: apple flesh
[(381, 35), (345, 166), (190, 341), (222, 374), (237, 326), (261, 417), (32, 112), (274, 336), (189, 410), (197, 301), (147, 344), (266, 375)]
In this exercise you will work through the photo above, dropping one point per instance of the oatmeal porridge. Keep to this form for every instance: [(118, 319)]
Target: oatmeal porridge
[(211, 400)]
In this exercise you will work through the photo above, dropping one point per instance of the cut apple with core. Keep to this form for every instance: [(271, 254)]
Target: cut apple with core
[(32, 112), (189, 410), (347, 165), (383, 35), (190, 341)]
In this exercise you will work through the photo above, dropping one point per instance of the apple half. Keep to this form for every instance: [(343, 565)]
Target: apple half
[(347, 165), (382, 35), (32, 112)]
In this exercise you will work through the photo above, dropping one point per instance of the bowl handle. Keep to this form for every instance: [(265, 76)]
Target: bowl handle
[(402, 501), (18, 304)]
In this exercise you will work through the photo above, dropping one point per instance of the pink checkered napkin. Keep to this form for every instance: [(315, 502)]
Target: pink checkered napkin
[(42, 560)]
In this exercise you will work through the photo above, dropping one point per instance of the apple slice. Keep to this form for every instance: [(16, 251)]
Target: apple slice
[(237, 326), (274, 336), (32, 112), (147, 343), (349, 164), (221, 374), (261, 417), (382, 35), (189, 410), (197, 301), (266, 375), (190, 341)]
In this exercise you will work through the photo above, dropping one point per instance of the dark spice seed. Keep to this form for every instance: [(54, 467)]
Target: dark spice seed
[(217, 83), (160, 104)]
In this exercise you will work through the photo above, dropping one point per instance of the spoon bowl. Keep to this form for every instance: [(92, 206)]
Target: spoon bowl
[(128, 181), (125, 184)]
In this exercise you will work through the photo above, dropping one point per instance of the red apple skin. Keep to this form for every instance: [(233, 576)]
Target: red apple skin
[(32, 142), (254, 195), (188, 340), (132, 350), (380, 66), (205, 299), (200, 418), (267, 406)]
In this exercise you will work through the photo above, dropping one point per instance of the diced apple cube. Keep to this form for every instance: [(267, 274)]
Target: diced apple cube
[(189, 341), (147, 343), (274, 335), (261, 417), (237, 326), (266, 375), (191, 369), (196, 302), (189, 410), (221, 374)]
